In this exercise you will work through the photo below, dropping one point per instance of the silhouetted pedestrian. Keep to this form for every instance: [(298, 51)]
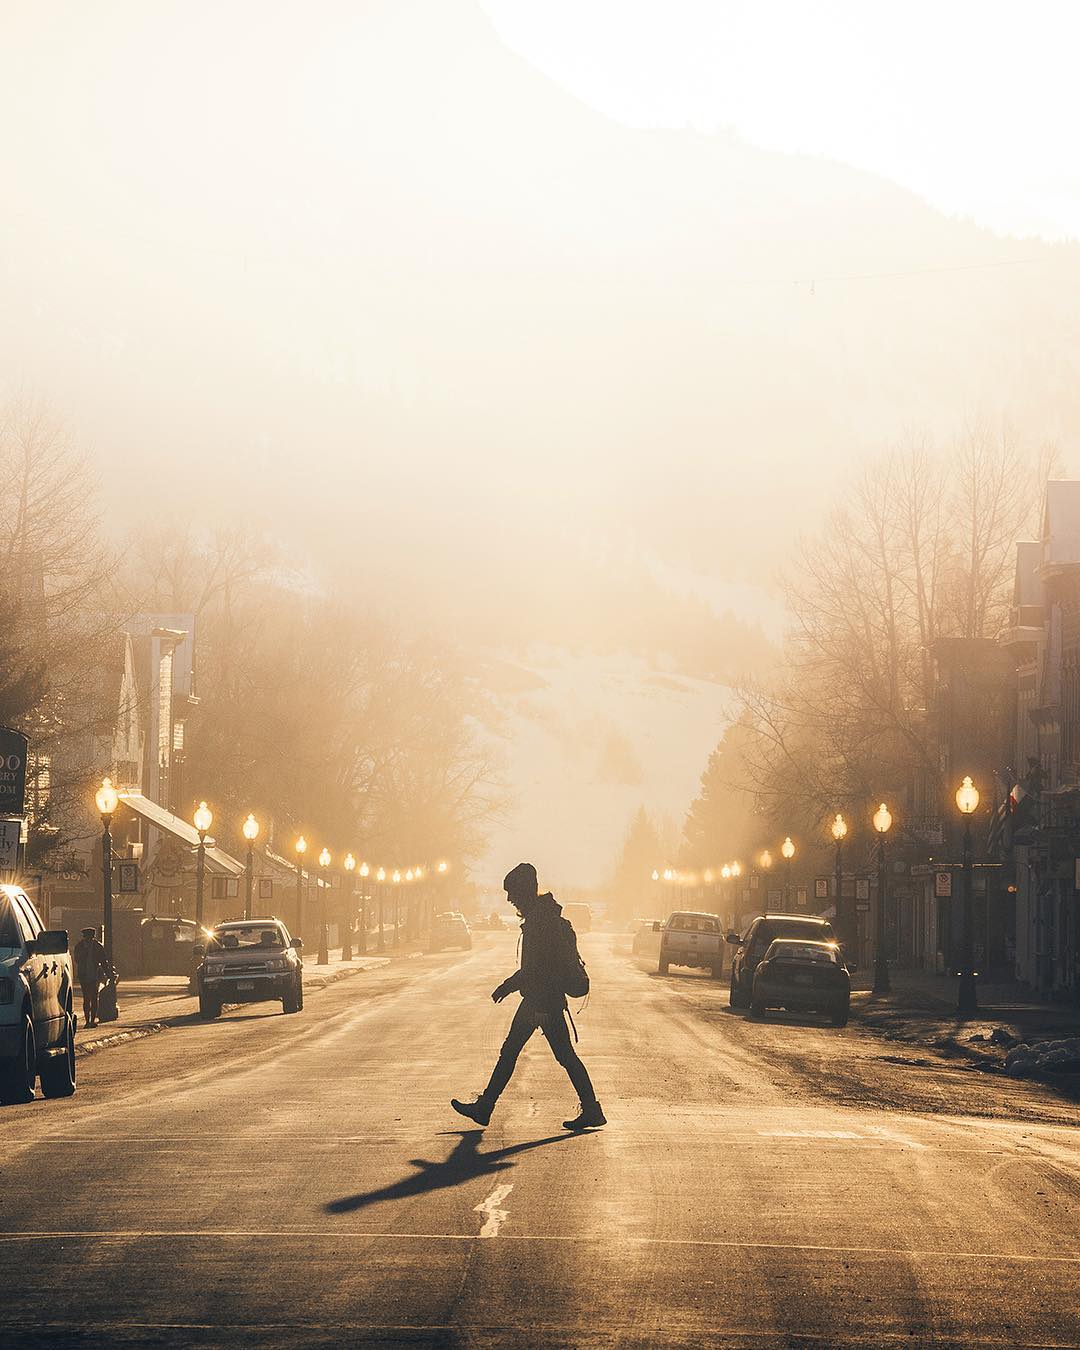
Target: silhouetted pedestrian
[(550, 969), (91, 968)]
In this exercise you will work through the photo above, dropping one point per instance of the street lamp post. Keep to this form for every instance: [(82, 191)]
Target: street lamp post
[(365, 872), (108, 799), (251, 833), (346, 940), (324, 863), (839, 832), (967, 999), (202, 819), (787, 848), (882, 823), (301, 849), (397, 907), (380, 877)]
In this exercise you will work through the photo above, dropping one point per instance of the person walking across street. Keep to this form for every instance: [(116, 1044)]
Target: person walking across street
[(550, 969), (91, 968)]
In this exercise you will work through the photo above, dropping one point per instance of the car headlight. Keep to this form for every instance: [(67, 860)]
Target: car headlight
[(7, 990), (215, 967), (276, 963)]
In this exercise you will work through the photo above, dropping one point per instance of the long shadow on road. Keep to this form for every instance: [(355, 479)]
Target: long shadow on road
[(463, 1164)]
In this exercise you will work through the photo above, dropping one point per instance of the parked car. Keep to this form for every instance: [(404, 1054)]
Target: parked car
[(580, 916), (250, 961), (754, 943), (691, 939), (645, 930), (797, 975), (450, 929), (37, 1015)]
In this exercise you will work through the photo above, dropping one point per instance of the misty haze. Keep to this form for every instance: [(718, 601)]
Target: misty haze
[(571, 500)]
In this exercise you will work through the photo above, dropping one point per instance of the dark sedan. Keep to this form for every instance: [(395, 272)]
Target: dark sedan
[(801, 976)]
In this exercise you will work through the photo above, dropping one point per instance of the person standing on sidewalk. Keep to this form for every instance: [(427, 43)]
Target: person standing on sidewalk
[(549, 969), (91, 968)]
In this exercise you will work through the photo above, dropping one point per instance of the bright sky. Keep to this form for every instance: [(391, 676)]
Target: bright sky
[(972, 103)]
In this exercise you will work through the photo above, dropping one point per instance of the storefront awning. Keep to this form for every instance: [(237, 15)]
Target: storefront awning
[(217, 859)]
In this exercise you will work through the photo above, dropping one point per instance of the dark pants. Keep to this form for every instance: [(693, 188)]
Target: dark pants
[(553, 1025), (90, 991)]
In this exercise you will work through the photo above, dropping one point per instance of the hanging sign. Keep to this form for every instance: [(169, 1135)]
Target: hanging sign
[(943, 885), (13, 747)]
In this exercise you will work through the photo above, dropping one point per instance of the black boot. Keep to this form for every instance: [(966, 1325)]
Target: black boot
[(591, 1117), (479, 1110)]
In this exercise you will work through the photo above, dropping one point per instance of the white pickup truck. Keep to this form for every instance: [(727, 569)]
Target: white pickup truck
[(37, 1017), (688, 938)]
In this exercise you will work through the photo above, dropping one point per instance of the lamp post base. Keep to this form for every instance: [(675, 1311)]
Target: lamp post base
[(967, 999), (324, 954), (882, 984)]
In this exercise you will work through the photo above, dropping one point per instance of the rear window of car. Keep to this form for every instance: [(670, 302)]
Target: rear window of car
[(255, 935), (809, 932), (803, 951), (694, 923)]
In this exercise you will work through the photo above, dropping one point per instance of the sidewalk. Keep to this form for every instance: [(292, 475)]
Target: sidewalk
[(151, 1003), (1012, 1032)]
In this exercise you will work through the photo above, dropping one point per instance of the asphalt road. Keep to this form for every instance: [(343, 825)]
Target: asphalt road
[(290, 1181)]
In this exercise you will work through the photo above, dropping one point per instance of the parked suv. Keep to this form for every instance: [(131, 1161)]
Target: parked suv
[(757, 939), (691, 939), (250, 961), (450, 929), (37, 1018)]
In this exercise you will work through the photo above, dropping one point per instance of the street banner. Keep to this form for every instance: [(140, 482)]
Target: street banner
[(13, 747), (862, 888), (129, 878), (821, 888), (266, 888), (10, 832)]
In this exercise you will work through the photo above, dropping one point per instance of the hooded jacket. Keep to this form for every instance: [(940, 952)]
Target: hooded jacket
[(545, 936)]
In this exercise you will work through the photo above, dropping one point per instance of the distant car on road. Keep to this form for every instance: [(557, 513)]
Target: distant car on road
[(37, 1017), (797, 975), (580, 916), (754, 943), (645, 931), (250, 961), (450, 929), (693, 939)]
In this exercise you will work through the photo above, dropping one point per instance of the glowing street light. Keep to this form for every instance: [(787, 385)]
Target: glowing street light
[(380, 877), (838, 829), (107, 799), (324, 862), (882, 823), (202, 820), (251, 833), (787, 848), (300, 848), (967, 999)]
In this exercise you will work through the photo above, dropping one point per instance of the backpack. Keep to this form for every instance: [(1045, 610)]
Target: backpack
[(573, 977)]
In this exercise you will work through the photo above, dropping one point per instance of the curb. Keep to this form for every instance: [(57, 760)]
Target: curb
[(119, 1038)]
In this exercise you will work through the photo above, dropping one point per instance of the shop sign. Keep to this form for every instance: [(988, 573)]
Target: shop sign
[(10, 833), (13, 748)]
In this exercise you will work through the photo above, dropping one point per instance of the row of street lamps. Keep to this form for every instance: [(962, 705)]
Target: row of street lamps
[(967, 800), (108, 799)]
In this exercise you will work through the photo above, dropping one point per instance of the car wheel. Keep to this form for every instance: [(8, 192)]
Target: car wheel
[(208, 1006), (662, 966), (294, 1001), (17, 1075), (736, 999), (58, 1072), (757, 1008), (840, 1014)]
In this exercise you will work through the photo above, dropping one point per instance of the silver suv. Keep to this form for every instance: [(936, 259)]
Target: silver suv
[(250, 961), (37, 1018)]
